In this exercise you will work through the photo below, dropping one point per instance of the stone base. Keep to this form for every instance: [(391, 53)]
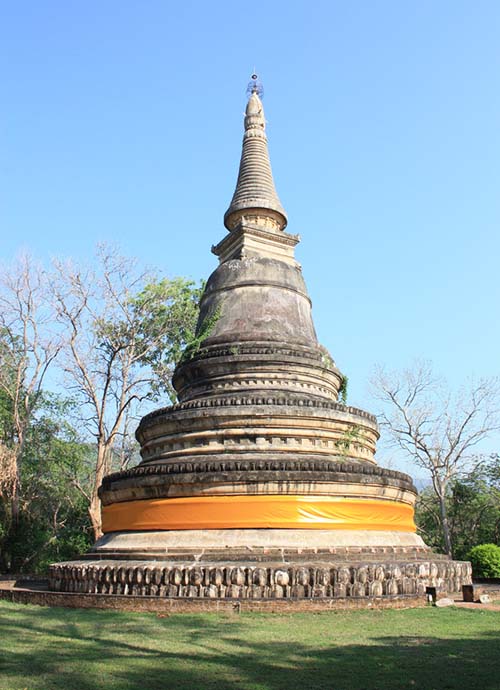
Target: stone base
[(311, 579), (234, 544), (260, 564), (166, 606)]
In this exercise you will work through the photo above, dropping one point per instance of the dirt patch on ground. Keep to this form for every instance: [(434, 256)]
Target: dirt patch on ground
[(492, 606)]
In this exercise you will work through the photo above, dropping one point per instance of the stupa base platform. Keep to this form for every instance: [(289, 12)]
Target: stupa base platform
[(23, 593), (249, 564)]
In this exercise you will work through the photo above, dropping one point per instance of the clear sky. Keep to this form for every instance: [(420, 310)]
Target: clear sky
[(121, 121)]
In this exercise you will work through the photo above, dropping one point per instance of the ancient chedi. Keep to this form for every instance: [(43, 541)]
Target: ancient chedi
[(258, 482)]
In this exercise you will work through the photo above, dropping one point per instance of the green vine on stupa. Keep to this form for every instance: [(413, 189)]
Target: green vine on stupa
[(206, 328)]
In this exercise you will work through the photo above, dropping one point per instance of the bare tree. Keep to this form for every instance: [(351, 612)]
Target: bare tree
[(439, 431), (124, 330), (28, 346)]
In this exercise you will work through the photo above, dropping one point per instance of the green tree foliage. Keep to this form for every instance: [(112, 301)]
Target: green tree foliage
[(53, 519), (485, 559), (116, 333), (28, 347), (473, 508), (437, 429), (126, 329), (167, 310)]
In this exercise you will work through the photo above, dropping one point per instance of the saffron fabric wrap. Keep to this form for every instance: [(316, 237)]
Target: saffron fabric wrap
[(258, 512)]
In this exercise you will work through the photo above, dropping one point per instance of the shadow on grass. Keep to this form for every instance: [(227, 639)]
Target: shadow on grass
[(48, 650)]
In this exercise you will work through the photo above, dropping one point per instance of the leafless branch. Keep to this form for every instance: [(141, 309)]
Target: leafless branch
[(436, 429)]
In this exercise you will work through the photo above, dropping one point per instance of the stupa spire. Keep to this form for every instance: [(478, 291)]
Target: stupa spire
[(255, 198)]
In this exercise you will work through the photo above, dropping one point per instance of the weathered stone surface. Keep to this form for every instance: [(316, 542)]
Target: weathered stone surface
[(248, 580), (266, 544), (255, 196), (444, 602), (271, 475), (168, 605)]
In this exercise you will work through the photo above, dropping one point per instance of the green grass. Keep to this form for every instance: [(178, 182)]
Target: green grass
[(49, 649)]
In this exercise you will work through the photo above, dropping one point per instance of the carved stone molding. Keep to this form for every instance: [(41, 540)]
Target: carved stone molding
[(259, 581), (321, 468), (281, 400)]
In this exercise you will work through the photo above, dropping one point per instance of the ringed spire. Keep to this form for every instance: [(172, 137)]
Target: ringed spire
[(255, 198)]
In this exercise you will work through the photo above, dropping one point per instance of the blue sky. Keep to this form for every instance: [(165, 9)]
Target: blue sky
[(122, 122)]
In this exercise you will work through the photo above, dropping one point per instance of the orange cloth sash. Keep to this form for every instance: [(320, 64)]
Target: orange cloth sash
[(258, 512)]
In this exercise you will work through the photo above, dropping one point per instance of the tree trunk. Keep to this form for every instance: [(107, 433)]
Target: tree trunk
[(14, 503), (16, 486), (95, 501), (95, 516), (444, 524)]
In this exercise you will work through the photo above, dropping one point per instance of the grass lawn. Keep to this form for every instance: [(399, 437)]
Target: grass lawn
[(46, 649)]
